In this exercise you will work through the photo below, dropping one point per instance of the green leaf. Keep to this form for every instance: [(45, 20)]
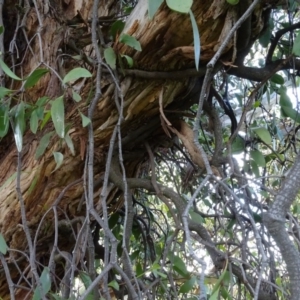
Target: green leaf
[(233, 2), (76, 97), (196, 217), (76, 74), (214, 295), (296, 46), (8, 181), (4, 120), (258, 158), (4, 91), (180, 5), (238, 145), (43, 144), (19, 125), (113, 220), (86, 279), (33, 184), (129, 60), (85, 120), (278, 79), (284, 98), (1, 29), (139, 269), (110, 57), (34, 77), (114, 284), (266, 37), (290, 113), (196, 35), (153, 6), (58, 116), (130, 41), (46, 119), (7, 70), (70, 144), (3, 245), (254, 168), (263, 134), (116, 28), (179, 266), (46, 284), (34, 121), (59, 158), (216, 287), (42, 101), (188, 285)]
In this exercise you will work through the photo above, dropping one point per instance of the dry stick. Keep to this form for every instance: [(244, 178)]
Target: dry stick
[(185, 218), (96, 281), (128, 221), (1, 43), (26, 228), (39, 30), (90, 163), (8, 278), (256, 234), (203, 94)]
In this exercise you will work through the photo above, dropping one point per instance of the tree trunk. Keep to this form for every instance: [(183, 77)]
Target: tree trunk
[(167, 45)]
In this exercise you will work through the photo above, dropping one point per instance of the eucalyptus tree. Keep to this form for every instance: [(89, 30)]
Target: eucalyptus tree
[(149, 149)]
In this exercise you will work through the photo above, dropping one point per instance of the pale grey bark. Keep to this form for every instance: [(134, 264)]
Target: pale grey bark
[(275, 221)]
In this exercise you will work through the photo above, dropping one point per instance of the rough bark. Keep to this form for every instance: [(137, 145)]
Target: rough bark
[(166, 46)]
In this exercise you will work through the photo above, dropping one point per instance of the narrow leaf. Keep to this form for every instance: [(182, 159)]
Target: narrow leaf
[(76, 97), (59, 158), (179, 266), (290, 112), (114, 284), (258, 158), (58, 116), (70, 144), (153, 6), (116, 28), (263, 134), (34, 121), (129, 60), (8, 71), (43, 144), (19, 126), (4, 91), (85, 120), (296, 46), (76, 74), (130, 41), (278, 79), (110, 57), (46, 285), (188, 285), (86, 279), (46, 119), (196, 35), (233, 2), (196, 217), (180, 6), (4, 120), (34, 77), (3, 245)]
